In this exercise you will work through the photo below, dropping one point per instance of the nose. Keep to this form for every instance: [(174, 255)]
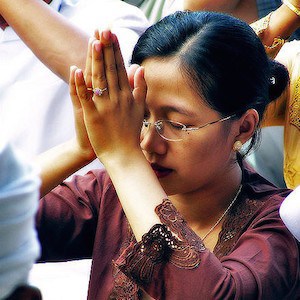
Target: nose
[(151, 142)]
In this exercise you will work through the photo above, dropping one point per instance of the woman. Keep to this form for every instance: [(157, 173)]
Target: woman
[(176, 214), (281, 165)]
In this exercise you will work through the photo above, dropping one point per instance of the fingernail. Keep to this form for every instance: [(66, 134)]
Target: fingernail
[(72, 68), (78, 73), (106, 34), (97, 46)]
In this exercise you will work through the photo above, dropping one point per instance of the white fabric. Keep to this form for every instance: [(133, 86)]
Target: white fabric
[(290, 212), (19, 192), (62, 280), (35, 108)]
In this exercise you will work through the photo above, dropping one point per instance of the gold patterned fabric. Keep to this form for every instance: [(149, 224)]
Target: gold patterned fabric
[(285, 111), (260, 27)]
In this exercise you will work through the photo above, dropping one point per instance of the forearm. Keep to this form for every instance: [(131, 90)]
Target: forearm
[(139, 191), (217, 5), (54, 40), (59, 163), (243, 9), (283, 23)]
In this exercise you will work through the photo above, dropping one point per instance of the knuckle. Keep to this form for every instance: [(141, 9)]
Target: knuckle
[(111, 68), (99, 77)]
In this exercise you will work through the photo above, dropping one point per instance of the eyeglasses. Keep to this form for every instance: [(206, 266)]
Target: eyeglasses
[(175, 131)]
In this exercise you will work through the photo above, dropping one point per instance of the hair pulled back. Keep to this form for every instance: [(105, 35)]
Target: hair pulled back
[(222, 58)]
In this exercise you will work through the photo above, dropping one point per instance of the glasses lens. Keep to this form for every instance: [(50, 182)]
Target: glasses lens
[(171, 131), (168, 130)]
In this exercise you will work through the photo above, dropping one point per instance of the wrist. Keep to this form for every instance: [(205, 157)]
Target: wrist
[(123, 160)]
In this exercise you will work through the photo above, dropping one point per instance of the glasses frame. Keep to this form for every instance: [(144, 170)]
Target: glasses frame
[(184, 127)]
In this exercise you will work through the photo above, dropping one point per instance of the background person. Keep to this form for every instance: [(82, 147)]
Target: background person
[(57, 34), (19, 246)]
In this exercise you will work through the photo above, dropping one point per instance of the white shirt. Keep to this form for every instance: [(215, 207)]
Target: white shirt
[(19, 192), (35, 107), (290, 212)]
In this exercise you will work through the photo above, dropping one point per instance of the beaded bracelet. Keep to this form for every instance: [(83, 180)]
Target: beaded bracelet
[(291, 7)]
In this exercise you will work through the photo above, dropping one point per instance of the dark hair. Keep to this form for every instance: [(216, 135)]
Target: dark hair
[(222, 58)]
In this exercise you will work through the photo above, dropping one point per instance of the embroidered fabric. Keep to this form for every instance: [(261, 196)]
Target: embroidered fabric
[(124, 287), (187, 249), (183, 252), (295, 106), (237, 219), (137, 260)]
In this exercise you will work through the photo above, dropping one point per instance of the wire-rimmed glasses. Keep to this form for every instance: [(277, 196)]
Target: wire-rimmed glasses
[(175, 131)]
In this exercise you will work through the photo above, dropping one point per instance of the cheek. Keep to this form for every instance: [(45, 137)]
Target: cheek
[(206, 152)]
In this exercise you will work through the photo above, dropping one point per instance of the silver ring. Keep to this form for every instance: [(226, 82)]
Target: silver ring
[(98, 91)]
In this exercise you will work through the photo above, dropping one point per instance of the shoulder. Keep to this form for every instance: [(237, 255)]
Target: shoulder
[(259, 188)]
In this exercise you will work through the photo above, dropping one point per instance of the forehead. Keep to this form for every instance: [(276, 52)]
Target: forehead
[(168, 85)]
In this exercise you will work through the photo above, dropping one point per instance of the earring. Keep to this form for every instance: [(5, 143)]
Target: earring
[(237, 146)]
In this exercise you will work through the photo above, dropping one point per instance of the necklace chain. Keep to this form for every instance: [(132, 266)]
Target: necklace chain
[(223, 215)]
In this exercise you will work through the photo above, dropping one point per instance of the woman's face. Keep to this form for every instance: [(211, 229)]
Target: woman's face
[(204, 156)]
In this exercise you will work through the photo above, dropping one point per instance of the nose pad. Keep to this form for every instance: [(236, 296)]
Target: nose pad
[(159, 127), (151, 141), (147, 131)]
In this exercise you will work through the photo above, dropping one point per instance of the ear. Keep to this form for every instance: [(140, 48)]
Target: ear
[(247, 125)]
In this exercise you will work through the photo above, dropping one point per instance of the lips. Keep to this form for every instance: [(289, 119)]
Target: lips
[(161, 171)]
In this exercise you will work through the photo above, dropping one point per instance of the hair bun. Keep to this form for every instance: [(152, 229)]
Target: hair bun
[(278, 80)]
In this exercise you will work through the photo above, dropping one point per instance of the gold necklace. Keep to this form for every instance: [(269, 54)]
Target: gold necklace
[(223, 215)]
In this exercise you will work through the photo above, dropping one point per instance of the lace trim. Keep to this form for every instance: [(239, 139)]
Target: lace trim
[(124, 287), (187, 249), (159, 245)]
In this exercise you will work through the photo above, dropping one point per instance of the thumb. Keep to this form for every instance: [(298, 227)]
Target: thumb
[(130, 74), (140, 86)]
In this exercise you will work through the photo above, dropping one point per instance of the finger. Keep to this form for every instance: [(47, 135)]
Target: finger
[(88, 64), (110, 64), (72, 89), (130, 74), (98, 70), (82, 91), (97, 34), (121, 70), (140, 86)]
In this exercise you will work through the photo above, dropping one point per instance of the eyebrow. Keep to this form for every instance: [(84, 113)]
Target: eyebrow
[(180, 110)]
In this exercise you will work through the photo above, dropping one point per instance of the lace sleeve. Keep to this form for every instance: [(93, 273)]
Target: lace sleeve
[(170, 242)]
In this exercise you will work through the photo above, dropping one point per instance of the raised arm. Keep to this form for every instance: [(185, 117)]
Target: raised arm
[(52, 38), (113, 121), (63, 160), (281, 23), (243, 9)]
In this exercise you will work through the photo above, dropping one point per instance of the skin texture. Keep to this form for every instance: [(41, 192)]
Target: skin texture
[(48, 45)]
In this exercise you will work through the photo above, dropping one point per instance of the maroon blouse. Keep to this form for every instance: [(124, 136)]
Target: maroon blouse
[(255, 258)]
